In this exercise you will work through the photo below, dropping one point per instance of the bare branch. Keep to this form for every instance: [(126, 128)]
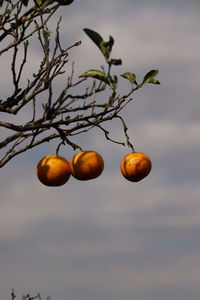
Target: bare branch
[(129, 144), (54, 115), (13, 296)]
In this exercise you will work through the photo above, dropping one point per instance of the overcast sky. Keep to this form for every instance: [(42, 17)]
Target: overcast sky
[(109, 238)]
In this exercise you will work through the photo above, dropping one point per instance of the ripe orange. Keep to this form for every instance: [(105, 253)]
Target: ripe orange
[(86, 165), (135, 166), (53, 170)]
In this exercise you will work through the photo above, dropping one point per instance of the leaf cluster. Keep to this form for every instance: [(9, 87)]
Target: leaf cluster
[(105, 48)]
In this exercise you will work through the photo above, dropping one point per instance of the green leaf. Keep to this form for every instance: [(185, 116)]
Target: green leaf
[(130, 76), (114, 81), (94, 36), (97, 39), (42, 4), (97, 75), (108, 46), (25, 2), (64, 2), (116, 62), (149, 77), (38, 2), (105, 47)]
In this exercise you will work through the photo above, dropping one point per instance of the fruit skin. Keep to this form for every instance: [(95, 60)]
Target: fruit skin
[(86, 165), (53, 170), (135, 166), (64, 2)]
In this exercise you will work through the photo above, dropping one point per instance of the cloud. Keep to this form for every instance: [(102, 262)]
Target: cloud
[(125, 240), (145, 35)]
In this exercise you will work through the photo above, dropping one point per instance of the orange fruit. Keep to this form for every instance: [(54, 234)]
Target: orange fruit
[(86, 165), (135, 166), (53, 170)]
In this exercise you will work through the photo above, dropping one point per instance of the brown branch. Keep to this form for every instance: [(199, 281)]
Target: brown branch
[(81, 124), (60, 116), (40, 83), (29, 16), (129, 144), (106, 132), (25, 148), (9, 139), (13, 296), (26, 44)]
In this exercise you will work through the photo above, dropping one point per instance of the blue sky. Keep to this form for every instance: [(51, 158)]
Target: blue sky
[(108, 238)]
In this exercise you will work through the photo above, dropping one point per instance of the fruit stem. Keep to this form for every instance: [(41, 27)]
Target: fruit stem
[(129, 144)]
